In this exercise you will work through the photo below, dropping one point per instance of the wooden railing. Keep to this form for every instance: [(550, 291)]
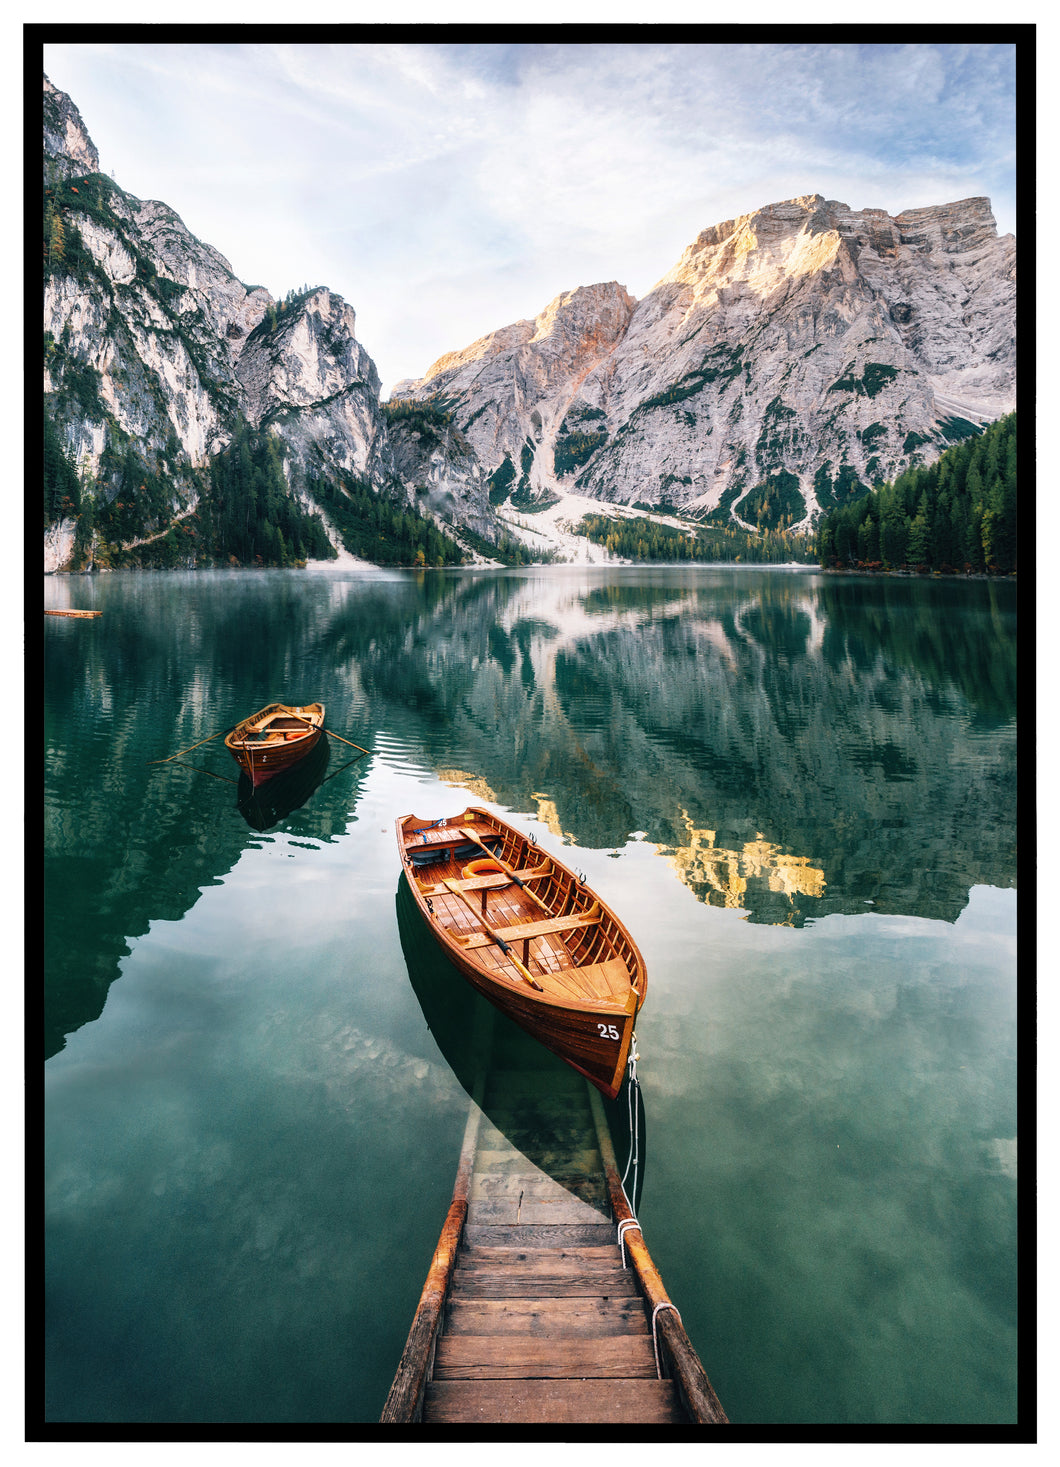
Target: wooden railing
[(404, 1403), (676, 1351)]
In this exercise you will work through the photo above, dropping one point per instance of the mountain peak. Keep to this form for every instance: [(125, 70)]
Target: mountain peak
[(67, 145), (802, 351)]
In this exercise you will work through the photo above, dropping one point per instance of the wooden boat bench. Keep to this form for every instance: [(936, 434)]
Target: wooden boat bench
[(524, 931), (492, 881)]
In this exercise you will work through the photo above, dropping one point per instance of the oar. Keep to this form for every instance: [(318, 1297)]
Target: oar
[(495, 936), (470, 835), (202, 771), (216, 735), (347, 741), (341, 768)]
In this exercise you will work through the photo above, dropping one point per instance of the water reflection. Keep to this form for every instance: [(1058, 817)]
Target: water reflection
[(793, 745), (774, 884), (289, 790), (485, 1049)]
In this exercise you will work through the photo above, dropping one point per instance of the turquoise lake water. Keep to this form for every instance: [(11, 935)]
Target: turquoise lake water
[(798, 791)]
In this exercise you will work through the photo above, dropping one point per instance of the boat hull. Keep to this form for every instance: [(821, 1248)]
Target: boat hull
[(274, 739), (590, 1030), (262, 806)]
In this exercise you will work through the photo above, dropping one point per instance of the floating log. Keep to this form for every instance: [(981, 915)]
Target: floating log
[(73, 613)]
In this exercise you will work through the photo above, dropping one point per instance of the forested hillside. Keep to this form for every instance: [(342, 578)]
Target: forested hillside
[(957, 516), (641, 539)]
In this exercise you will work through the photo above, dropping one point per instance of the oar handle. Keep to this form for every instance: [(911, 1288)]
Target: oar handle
[(216, 735), (494, 936), (346, 741), (470, 835)]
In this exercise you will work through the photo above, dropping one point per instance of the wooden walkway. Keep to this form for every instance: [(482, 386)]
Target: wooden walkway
[(528, 1314)]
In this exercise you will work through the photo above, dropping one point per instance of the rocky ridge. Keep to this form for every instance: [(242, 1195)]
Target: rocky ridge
[(791, 358), (808, 348), (153, 340)]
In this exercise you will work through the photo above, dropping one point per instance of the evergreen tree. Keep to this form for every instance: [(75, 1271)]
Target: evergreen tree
[(957, 514), (62, 488)]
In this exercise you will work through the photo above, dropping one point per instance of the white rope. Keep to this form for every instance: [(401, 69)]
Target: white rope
[(633, 1110), (623, 1227), (634, 1146), (662, 1304)]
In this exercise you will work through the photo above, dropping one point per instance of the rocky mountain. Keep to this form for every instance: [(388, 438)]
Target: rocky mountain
[(792, 357), (156, 354)]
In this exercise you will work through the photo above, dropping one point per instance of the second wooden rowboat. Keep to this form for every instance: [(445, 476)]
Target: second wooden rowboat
[(530, 936), (274, 738)]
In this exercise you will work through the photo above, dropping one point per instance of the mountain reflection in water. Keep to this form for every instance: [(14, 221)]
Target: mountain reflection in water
[(793, 745)]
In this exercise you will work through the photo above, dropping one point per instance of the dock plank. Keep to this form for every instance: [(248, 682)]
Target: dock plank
[(539, 1235), (620, 1402), (593, 1316), (505, 1357), (613, 1283), (547, 1261)]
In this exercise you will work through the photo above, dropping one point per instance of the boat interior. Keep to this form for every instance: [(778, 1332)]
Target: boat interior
[(278, 726), (559, 936)]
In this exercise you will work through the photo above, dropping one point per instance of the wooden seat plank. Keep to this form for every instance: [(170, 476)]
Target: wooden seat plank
[(494, 881), (549, 1318), (501, 1357), (569, 923)]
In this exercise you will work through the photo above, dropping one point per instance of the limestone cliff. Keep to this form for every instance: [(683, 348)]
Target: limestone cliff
[(152, 344), (808, 347), (791, 358)]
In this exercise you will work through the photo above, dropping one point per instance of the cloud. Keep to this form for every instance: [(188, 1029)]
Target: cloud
[(431, 184)]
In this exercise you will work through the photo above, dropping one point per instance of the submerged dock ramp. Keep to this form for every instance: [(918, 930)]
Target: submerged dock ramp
[(533, 1311)]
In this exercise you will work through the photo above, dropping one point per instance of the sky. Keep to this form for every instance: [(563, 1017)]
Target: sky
[(447, 190)]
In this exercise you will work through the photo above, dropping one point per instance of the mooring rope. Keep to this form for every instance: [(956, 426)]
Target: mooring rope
[(624, 1225), (633, 1159), (633, 1108), (662, 1304)]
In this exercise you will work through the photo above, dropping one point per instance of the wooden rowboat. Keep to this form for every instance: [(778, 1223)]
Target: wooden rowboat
[(530, 936), (273, 799), (274, 738)]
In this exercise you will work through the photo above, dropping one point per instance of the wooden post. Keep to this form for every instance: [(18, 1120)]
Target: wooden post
[(685, 1367), (404, 1402)]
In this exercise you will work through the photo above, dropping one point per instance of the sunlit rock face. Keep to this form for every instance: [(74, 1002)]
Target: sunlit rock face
[(807, 347), (164, 342), (511, 392), (66, 141), (151, 338)]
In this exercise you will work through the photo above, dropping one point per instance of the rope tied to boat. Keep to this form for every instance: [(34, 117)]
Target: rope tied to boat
[(633, 1159), (633, 1108), (662, 1304), (623, 1228)]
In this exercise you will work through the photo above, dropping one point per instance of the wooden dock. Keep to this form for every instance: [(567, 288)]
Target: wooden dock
[(529, 1313)]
